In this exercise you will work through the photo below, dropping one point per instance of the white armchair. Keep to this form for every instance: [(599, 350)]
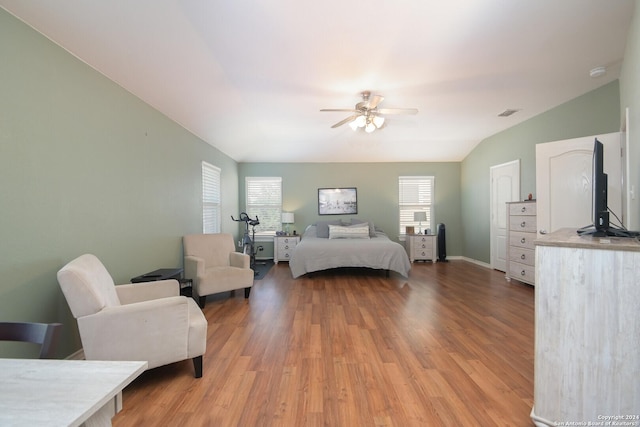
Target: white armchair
[(213, 265), (146, 321)]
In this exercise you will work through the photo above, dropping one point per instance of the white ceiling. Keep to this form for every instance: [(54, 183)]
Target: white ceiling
[(250, 76)]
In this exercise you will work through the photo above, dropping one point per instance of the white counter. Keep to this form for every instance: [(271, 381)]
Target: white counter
[(38, 392)]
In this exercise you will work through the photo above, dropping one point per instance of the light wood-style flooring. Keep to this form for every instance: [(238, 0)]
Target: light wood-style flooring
[(450, 346)]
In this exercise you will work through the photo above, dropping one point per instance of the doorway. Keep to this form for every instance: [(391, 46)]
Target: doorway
[(504, 187)]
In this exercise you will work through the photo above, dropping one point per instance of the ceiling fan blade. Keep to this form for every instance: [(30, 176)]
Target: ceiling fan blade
[(374, 101), (397, 111), (347, 120), (349, 110)]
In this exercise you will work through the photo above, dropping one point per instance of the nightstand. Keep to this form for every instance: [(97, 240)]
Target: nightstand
[(421, 247), (283, 247)]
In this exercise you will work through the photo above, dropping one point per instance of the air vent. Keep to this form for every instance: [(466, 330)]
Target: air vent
[(508, 112)]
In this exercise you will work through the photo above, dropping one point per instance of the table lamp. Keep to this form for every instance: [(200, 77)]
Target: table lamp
[(420, 216), (287, 218)]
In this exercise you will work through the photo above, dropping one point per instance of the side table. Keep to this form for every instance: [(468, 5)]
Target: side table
[(166, 274), (283, 247)]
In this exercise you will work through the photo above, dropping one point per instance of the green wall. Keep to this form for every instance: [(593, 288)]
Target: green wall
[(593, 113), (377, 185), (87, 167)]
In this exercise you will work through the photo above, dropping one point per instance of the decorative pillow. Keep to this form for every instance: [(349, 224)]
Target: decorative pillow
[(350, 232), (322, 228), (372, 228)]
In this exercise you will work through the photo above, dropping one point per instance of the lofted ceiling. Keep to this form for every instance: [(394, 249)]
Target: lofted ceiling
[(250, 76)]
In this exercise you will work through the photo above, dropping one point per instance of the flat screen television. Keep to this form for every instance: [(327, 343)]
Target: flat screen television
[(599, 207), (599, 192)]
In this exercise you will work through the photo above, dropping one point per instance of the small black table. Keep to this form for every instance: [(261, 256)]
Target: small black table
[(166, 274)]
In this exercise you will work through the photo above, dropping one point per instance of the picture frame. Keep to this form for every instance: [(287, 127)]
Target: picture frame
[(410, 229), (338, 201)]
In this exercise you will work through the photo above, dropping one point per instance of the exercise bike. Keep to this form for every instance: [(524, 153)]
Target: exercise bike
[(247, 242)]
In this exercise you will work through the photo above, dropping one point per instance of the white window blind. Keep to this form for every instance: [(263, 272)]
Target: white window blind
[(264, 199), (210, 198), (415, 194)]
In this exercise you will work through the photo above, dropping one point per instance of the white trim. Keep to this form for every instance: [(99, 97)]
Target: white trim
[(474, 261)]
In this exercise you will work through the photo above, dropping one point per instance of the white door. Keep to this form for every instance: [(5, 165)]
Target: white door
[(505, 187), (563, 181)]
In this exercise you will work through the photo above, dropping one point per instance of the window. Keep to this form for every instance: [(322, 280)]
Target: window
[(415, 195), (210, 198), (264, 199)]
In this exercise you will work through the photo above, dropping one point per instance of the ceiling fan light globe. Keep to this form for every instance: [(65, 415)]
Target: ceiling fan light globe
[(361, 121), (378, 121), (370, 127), (353, 125)]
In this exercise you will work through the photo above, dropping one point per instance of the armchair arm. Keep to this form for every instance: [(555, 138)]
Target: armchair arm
[(156, 331), (237, 259), (193, 267), (144, 291)]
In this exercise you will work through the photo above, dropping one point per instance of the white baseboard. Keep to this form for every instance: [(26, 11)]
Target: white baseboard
[(475, 261)]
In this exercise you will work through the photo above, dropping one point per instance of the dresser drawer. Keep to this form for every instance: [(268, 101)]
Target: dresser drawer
[(423, 252), (522, 223), (522, 240), (522, 272), (522, 256), (522, 209)]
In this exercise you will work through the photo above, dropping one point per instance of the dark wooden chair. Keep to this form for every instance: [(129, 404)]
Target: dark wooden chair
[(45, 334)]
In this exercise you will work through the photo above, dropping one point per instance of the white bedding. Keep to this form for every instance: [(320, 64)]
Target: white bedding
[(314, 254)]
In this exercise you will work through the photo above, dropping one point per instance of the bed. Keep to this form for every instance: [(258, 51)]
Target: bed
[(347, 248)]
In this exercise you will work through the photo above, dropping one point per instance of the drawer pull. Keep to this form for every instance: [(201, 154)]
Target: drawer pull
[(523, 209), (523, 240), (522, 256), (286, 246), (523, 224), (523, 273)]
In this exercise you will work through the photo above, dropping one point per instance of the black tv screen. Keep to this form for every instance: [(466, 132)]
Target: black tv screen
[(599, 192)]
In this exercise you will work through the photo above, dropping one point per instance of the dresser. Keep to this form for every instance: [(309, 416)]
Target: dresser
[(283, 247), (521, 233), (421, 247), (587, 328)]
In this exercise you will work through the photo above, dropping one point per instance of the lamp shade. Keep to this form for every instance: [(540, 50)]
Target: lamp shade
[(287, 218), (420, 216)]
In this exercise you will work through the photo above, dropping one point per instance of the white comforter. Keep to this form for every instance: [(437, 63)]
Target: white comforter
[(315, 254)]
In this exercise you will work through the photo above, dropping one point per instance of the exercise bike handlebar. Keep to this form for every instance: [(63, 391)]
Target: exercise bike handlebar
[(246, 218)]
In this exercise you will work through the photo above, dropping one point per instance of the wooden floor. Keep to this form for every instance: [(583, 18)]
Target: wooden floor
[(450, 346)]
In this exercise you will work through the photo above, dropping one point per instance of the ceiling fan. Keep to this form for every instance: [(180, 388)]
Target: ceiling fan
[(366, 113)]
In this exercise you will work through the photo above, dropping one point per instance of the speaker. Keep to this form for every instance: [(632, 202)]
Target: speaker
[(442, 243)]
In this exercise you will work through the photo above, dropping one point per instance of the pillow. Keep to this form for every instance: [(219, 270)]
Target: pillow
[(322, 228), (372, 228), (350, 232)]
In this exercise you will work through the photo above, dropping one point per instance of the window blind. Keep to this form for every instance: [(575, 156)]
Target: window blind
[(264, 199), (415, 193), (210, 198)]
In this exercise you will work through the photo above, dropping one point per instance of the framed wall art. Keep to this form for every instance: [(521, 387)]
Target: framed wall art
[(337, 201)]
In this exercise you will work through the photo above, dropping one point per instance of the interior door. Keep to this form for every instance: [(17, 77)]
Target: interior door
[(563, 181), (505, 187)]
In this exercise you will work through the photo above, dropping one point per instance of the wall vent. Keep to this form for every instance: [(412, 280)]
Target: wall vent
[(508, 112)]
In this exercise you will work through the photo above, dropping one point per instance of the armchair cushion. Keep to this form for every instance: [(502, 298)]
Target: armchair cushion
[(145, 291), (87, 286)]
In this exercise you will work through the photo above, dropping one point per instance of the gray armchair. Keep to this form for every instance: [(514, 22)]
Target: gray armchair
[(146, 321), (213, 265)]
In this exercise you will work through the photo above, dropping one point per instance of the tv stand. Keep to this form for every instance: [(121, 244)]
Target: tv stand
[(590, 230)]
